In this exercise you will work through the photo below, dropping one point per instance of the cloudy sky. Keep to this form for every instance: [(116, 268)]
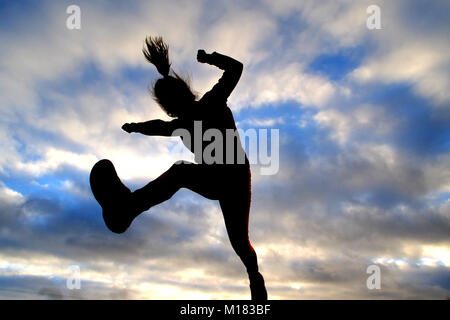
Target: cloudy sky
[(364, 168)]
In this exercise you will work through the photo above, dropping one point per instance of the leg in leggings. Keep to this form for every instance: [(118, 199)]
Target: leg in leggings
[(180, 175), (236, 213), (235, 207)]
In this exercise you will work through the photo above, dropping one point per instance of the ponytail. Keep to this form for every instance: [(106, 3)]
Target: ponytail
[(172, 93), (156, 51)]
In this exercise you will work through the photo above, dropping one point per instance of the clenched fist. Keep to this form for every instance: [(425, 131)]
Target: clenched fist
[(202, 56), (129, 127)]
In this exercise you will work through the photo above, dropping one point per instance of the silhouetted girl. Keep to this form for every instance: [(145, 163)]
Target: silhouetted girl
[(229, 183)]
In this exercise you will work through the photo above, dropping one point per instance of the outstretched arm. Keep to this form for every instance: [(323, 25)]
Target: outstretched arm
[(233, 70), (152, 127)]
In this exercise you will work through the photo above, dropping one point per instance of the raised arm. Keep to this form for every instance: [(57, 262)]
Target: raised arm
[(152, 127), (229, 79)]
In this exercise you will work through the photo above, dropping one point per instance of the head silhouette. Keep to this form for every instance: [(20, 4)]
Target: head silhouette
[(172, 93)]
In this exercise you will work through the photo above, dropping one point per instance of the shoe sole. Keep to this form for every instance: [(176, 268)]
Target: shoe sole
[(111, 194)]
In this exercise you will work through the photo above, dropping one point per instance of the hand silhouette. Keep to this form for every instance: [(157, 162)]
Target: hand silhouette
[(128, 127), (201, 56)]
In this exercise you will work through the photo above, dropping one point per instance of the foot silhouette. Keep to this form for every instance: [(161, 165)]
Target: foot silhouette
[(113, 196), (257, 287)]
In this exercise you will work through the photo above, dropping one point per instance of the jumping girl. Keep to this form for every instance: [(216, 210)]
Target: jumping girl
[(229, 183)]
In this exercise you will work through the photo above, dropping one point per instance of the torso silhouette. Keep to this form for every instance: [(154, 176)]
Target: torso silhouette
[(212, 112)]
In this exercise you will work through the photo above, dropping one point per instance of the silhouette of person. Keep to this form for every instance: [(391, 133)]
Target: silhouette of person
[(229, 183)]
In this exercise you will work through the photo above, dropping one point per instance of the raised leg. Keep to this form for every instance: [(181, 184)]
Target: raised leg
[(180, 175)]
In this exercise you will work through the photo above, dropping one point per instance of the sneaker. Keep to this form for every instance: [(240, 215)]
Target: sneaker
[(112, 195)]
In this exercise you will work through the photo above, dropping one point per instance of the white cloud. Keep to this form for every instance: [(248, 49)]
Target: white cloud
[(344, 126), (284, 83), (406, 52), (10, 196), (424, 67), (53, 159)]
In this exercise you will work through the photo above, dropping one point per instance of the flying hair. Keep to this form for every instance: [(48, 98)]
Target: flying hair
[(156, 51)]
